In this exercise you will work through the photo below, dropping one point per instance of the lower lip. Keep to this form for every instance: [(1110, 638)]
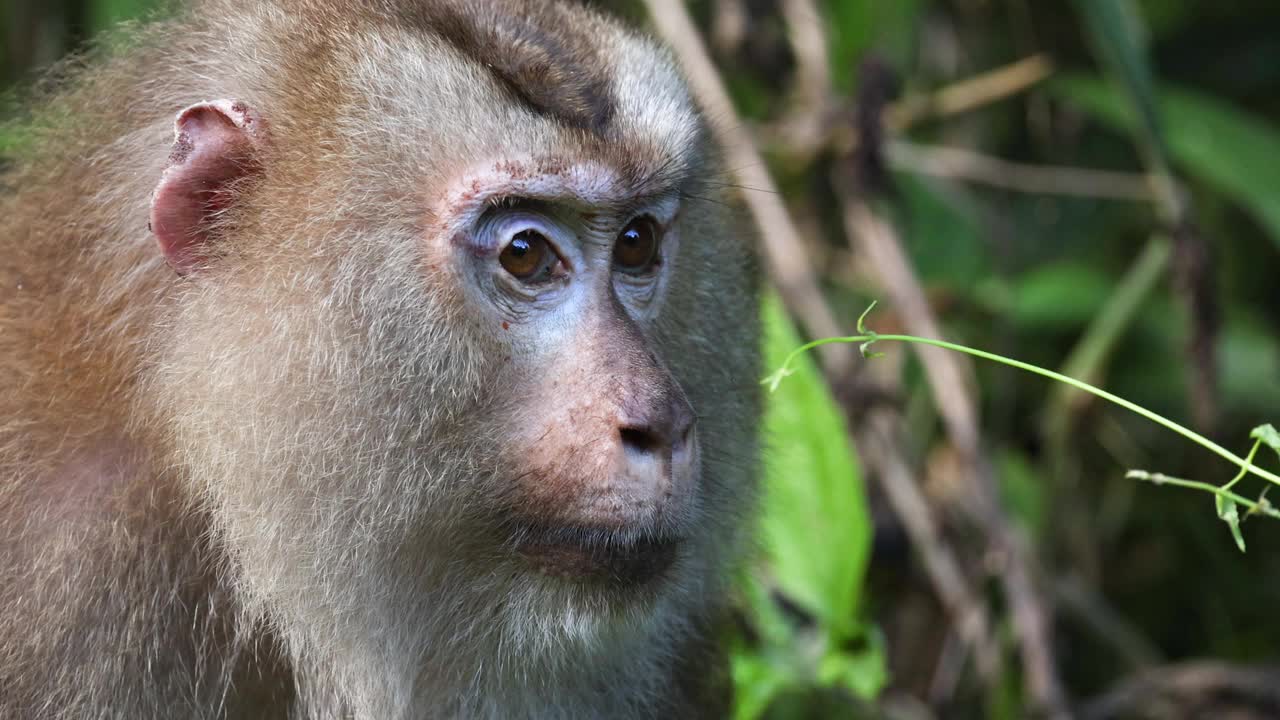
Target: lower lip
[(629, 563)]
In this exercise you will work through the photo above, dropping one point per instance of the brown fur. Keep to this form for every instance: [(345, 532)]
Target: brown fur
[(272, 488), (544, 52)]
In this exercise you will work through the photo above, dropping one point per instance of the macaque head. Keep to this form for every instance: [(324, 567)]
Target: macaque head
[(464, 345)]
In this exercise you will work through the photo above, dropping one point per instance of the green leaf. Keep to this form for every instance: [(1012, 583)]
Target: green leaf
[(815, 533), (934, 211), (1167, 19), (864, 673), (815, 528), (1022, 490), (861, 26), (1230, 150), (862, 319), (1059, 296), (1249, 358), (1229, 514), (1120, 39), (1268, 436), (757, 682)]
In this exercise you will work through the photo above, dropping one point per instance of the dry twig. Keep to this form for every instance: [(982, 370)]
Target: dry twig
[(810, 107), (795, 278), (962, 164), (1193, 690), (876, 438), (947, 377), (785, 254), (971, 93), (793, 275), (964, 96)]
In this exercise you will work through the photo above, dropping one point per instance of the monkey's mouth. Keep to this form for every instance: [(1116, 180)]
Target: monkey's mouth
[(597, 555)]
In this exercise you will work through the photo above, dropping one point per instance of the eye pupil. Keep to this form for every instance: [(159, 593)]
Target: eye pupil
[(637, 248), (526, 255)]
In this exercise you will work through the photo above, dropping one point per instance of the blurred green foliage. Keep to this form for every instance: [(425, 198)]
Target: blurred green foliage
[(1235, 152), (104, 14), (804, 592), (1039, 277)]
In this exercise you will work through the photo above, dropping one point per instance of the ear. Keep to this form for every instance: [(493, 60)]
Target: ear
[(215, 146)]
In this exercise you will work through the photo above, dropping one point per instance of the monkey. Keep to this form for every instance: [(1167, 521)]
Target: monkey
[(372, 359)]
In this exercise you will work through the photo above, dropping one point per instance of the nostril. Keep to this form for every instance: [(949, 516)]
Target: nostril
[(640, 439)]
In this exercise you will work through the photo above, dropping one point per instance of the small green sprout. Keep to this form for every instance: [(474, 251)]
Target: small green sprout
[(1226, 502)]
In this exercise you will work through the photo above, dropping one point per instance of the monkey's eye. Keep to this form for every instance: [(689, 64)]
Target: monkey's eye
[(528, 256), (636, 250)]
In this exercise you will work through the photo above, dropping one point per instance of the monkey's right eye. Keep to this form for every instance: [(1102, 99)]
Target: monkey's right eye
[(528, 256)]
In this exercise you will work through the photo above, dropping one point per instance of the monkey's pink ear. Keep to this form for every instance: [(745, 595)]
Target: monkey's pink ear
[(215, 146)]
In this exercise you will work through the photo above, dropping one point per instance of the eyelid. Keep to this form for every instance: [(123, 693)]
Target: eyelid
[(662, 210), (501, 225)]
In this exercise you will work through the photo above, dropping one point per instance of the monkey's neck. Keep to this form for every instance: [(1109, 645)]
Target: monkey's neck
[(126, 563)]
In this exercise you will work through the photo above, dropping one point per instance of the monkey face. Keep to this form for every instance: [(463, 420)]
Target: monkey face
[(443, 366), (601, 435)]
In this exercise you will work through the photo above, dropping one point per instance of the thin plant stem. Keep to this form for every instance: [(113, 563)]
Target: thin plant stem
[(867, 338), (1263, 507), (1248, 462)]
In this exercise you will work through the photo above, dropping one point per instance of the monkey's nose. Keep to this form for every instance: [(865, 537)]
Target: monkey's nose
[(663, 433), (657, 461)]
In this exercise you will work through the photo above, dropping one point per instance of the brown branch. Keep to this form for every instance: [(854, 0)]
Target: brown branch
[(875, 436), (948, 376), (784, 253), (794, 277), (963, 96), (729, 25), (1202, 689), (1108, 626), (810, 107), (961, 164), (790, 271), (1193, 275), (971, 93), (947, 381)]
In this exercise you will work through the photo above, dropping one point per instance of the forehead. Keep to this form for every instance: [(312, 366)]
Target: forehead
[(612, 100)]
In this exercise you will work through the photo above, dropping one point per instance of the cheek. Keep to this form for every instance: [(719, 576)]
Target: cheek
[(561, 443)]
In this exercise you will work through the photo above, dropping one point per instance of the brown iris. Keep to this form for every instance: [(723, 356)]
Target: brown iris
[(527, 256), (636, 250)]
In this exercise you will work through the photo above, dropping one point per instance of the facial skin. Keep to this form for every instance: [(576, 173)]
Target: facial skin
[(427, 391)]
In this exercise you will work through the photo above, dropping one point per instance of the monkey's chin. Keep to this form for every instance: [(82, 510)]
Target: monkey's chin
[(601, 557)]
